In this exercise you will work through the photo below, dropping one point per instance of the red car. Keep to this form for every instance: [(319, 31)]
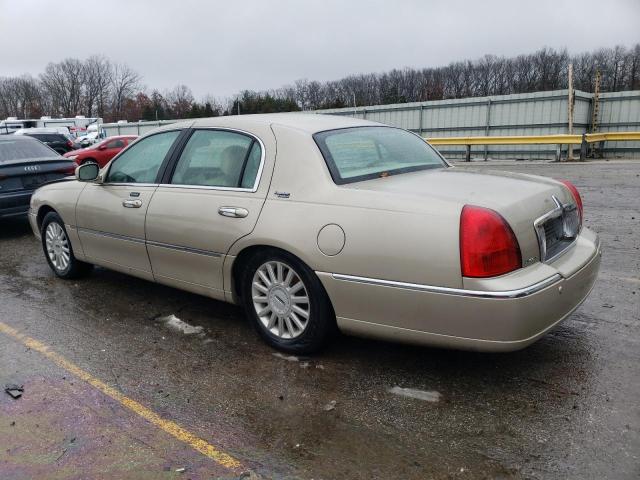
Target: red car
[(101, 153)]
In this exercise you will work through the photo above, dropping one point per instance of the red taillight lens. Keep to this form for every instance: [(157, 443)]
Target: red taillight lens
[(576, 196), (69, 143), (488, 246)]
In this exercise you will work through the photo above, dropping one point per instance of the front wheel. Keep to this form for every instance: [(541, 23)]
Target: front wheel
[(58, 251), (286, 302)]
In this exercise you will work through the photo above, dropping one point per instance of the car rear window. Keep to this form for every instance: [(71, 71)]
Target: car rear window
[(19, 149), (363, 153), (48, 137)]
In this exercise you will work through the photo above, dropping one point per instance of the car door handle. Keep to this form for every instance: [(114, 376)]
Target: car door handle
[(234, 212), (132, 203)]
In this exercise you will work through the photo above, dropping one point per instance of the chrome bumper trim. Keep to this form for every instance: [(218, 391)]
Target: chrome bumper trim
[(518, 293)]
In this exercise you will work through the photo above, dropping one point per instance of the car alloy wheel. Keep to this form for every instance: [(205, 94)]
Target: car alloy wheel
[(57, 246), (280, 299)]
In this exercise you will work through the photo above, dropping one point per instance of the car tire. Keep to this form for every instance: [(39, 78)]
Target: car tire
[(58, 251), (87, 160), (274, 286)]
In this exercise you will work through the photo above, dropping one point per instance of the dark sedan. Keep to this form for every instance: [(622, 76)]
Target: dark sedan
[(25, 164), (59, 142)]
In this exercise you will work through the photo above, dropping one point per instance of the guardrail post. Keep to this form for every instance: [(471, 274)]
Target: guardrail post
[(487, 128), (558, 152), (468, 153), (583, 148)]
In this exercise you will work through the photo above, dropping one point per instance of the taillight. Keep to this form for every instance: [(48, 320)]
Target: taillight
[(576, 196), (488, 246), (69, 144)]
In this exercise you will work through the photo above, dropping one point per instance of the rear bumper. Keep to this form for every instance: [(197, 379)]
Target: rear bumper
[(487, 318), (14, 204)]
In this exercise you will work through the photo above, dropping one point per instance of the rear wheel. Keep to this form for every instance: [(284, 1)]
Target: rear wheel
[(286, 302), (58, 251)]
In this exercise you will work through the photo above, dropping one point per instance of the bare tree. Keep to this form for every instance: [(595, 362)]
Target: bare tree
[(180, 100), (64, 83), (124, 83), (98, 82)]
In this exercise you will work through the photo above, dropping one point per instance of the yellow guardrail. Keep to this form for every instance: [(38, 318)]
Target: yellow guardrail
[(509, 140), (612, 137), (560, 139)]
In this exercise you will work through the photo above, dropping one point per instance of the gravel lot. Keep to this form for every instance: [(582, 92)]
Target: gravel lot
[(566, 407)]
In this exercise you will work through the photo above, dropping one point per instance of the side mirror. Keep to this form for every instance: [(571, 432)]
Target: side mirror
[(102, 147), (87, 172)]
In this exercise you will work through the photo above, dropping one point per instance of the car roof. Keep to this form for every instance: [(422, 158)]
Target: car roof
[(118, 137), (29, 131), (307, 122), (19, 138)]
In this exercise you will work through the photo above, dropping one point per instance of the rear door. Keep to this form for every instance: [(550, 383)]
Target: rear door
[(110, 215), (212, 197)]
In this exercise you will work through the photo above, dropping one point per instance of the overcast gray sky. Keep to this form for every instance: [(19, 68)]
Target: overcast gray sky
[(222, 47)]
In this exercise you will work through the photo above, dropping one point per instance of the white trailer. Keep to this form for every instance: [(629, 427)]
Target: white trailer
[(77, 126)]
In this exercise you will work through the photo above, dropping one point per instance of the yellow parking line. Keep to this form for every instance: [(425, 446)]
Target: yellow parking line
[(168, 426)]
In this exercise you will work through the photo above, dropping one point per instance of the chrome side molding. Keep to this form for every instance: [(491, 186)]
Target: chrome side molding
[(150, 243), (518, 293)]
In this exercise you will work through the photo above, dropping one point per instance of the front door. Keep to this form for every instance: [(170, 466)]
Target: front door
[(110, 215), (210, 201)]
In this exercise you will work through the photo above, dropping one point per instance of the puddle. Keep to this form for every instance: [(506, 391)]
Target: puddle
[(175, 323), (427, 396)]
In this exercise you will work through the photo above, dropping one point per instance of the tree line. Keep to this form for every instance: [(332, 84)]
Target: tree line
[(99, 87)]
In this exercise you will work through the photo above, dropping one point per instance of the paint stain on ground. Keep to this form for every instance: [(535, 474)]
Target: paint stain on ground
[(175, 323), (425, 395), (288, 358)]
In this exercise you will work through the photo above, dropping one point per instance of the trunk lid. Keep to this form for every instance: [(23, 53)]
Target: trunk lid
[(29, 174), (519, 198)]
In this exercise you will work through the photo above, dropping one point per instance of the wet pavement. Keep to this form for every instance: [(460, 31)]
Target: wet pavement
[(566, 407)]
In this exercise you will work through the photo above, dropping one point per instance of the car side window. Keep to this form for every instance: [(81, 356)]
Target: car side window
[(218, 158), (116, 144), (141, 163), (252, 167)]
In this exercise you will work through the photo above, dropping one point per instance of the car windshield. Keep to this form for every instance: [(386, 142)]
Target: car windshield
[(363, 153), (24, 149)]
